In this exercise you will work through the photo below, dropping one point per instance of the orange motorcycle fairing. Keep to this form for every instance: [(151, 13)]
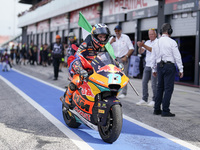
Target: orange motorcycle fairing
[(82, 103), (99, 79), (108, 75)]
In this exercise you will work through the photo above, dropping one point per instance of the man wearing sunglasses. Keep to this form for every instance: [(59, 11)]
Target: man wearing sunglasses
[(147, 73)]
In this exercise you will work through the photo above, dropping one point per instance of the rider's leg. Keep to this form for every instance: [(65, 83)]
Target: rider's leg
[(74, 84)]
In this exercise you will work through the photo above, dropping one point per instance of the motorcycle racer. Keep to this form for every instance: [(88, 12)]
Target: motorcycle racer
[(87, 51)]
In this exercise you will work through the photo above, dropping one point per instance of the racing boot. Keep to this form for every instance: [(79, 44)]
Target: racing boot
[(68, 97), (76, 82)]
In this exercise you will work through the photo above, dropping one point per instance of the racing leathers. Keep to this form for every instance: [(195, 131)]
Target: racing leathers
[(79, 66)]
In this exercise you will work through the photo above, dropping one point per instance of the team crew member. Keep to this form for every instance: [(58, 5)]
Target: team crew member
[(41, 54), (165, 54), (62, 60), (5, 61), (34, 55), (24, 53), (45, 55), (86, 53), (57, 52), (12, 51), (72, 48), (49, 57), (147, 73), (17, 54), (30, 52), (123, 48)]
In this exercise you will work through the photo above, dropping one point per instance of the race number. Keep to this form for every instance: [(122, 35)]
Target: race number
[(114, 79)]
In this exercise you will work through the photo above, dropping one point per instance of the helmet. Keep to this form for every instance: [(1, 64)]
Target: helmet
[(58, 37), (100, 29), (72, 35)]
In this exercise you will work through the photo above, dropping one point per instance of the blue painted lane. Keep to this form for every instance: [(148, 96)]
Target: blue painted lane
[(132, 137)]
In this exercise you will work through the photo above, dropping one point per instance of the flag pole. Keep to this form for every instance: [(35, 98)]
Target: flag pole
[(134, 89)]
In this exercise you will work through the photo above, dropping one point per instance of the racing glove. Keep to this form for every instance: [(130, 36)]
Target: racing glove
[(83, 73), (121, 66)]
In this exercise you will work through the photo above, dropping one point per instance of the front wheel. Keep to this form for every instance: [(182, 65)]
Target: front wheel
[(112, 130), (70, 119)]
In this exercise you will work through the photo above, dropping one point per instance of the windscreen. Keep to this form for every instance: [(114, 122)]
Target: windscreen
[(105, 58)]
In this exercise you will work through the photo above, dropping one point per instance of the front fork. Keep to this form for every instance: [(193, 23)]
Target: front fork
[(104, 106)]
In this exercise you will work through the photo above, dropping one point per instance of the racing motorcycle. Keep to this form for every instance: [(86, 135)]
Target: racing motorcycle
[(95, 103)]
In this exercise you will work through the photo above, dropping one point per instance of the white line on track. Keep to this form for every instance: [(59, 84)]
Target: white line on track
[(80, 143), (168, 136), (161, 133)]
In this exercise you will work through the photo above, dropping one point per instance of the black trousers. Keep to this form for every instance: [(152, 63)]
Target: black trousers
[(56, 64), (165, 88), (17, 59)]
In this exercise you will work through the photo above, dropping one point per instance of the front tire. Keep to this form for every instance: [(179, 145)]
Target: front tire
[(112, 130), (69, 119)]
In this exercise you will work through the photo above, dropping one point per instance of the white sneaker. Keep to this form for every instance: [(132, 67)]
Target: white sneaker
[(141, 102), (122, 96), (151, 104)]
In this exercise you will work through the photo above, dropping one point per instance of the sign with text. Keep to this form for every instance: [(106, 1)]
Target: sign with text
[(178, 6), (43, 26), (59, 20), (112, 7), (31, 29), (114, 18), (143, 13), (90, 13)]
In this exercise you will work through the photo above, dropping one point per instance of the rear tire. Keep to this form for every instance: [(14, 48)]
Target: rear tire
[(69, 119), (112, 130)]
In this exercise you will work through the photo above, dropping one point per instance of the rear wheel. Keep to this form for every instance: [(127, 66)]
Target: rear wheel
[(70, 119), (112, 130)]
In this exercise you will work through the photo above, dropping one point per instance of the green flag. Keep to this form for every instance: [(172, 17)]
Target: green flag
[(82, 22)]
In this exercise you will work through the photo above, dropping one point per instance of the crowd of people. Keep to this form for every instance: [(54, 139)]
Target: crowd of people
[(27, 55), (44, 55)]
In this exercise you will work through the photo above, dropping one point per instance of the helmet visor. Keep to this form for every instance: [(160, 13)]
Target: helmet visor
[(101, 31)]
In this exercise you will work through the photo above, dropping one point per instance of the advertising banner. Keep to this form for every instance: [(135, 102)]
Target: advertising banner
[(115, 9), (43, 26), (143, 13), (59, 21), (91, 13), (178, 6), (31, 29)]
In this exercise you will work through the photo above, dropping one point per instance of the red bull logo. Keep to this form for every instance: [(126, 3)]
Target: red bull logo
[(86, 90), (109, 68)]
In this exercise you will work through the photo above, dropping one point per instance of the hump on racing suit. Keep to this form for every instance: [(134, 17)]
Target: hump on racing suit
[(85, 54)]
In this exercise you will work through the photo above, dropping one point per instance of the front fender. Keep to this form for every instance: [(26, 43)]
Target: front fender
[(104, 107)]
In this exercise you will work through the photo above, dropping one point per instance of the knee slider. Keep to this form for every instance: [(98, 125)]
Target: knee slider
[(72, 86)]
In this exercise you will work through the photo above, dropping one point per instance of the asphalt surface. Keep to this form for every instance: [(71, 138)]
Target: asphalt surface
[(23, 127)]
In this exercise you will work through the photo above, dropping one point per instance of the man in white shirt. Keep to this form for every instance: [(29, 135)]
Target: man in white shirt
[(165, 54), (123, 49), (147, 73)]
